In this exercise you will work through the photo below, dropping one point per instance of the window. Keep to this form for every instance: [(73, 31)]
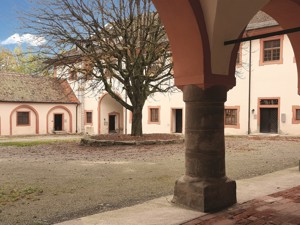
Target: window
[(88, 117), (271, 50), (268, 101), (231, 117), (296, 114), (23, 118), (154, 115)]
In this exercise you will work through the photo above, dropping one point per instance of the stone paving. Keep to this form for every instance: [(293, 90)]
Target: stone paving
[(281, 208)]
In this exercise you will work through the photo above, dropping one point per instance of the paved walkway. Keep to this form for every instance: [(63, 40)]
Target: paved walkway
[(257, 205), (281, 208)]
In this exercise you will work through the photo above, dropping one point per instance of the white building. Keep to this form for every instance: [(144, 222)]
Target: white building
[(259, 103), (32, 105)]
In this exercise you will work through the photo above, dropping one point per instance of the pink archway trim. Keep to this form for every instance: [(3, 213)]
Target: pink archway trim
[(25, 107), (99, 112), (186, 40), (64, 108)]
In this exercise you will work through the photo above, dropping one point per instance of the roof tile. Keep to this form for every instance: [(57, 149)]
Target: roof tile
[(27, 88)]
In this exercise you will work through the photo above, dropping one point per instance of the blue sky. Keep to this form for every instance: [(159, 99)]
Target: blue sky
[(11, 32)]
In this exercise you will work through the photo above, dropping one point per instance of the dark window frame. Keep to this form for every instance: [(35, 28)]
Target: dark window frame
[(23, 118), (88, 117)]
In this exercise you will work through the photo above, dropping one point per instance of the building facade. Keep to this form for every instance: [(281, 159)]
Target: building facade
[(259, 103), (31, 105)]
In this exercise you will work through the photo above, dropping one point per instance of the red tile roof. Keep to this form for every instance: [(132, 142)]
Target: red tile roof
[(26, 88)]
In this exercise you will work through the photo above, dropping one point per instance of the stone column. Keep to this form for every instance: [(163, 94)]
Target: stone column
[(205, 186)]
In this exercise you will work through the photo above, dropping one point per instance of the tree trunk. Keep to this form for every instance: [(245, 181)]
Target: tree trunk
[(137, 126)]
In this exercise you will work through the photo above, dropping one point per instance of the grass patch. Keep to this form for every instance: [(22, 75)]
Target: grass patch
[(33, 143), (13, 195)]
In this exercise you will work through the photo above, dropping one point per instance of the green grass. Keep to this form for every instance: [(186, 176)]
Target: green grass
[(33, 143), (13, 195)]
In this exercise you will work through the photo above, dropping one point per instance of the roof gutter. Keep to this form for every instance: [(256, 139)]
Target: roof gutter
[(68, 103)]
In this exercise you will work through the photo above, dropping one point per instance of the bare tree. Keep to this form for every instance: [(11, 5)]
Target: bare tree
[(121, 44)]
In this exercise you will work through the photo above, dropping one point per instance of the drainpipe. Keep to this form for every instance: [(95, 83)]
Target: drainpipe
[(125, 125), (249, 94), (77, 118)]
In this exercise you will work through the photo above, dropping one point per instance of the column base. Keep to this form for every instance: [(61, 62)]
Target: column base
[(205, 196)]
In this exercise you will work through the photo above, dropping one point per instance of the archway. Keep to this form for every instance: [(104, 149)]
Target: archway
[(110, 115), (29, 108), (58, 118), (204, 69)]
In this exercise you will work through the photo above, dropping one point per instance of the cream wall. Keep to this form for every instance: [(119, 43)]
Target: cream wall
[(39, 121), (91, 104), (166, 102), (267, 81), (277, 80), (238, 96)]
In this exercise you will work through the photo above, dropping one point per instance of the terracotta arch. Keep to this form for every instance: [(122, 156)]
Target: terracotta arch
[(188, 41), (26, 107), (194, 28), (59, 107), (287, 14), (194, 36)]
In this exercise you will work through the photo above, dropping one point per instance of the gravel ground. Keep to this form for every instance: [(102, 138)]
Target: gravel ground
[(50, 183)]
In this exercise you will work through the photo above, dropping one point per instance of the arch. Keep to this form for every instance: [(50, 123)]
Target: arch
[(99, 109), (99, 112), (287, 14), (186, 39), (59, 107), (197, 31), (26, 107)]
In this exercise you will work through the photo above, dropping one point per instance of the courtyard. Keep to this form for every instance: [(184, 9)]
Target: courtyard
[(51, 182)]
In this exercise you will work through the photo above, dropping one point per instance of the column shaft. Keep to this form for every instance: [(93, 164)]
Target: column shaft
[(205, 185)]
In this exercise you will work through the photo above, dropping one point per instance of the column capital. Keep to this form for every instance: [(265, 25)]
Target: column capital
[(193, 93)]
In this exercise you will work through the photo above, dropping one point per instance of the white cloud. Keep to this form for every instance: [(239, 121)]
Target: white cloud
[(25, 38)]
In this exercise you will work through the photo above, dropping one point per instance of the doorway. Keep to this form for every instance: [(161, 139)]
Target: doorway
[(112, 124), (58, 122), (176, 121), (269, 120)]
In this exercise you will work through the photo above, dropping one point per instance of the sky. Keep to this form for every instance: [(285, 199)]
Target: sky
[(11, 32)]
